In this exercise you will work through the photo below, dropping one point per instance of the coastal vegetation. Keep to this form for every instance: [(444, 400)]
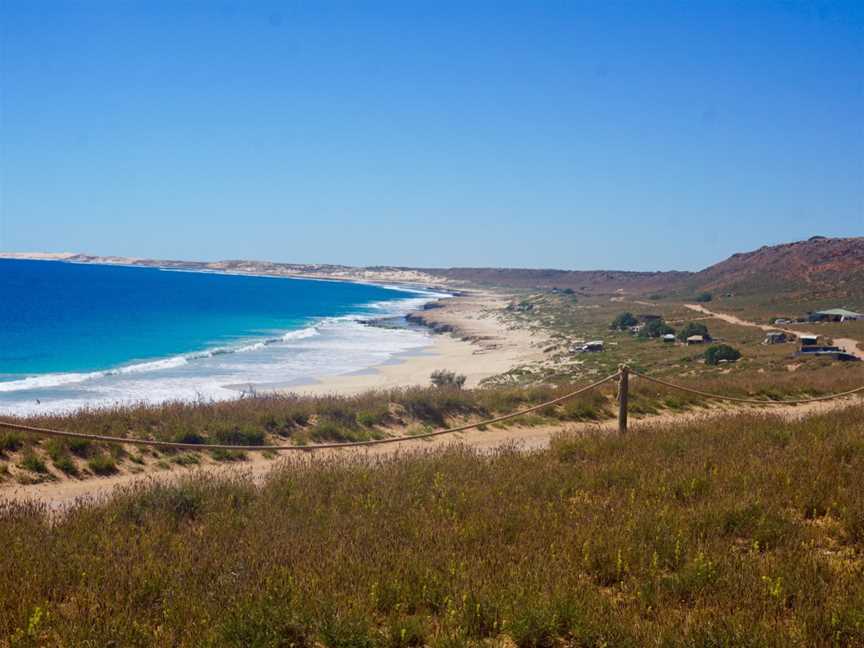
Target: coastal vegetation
[(290, 419), (763, 372), (717, 353), (772, 368), (693, 328), (746, 530), (446, 378), (271, 419), (655, 329), (624, 321)]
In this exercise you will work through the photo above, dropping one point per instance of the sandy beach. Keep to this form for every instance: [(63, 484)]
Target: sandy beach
[(473, 341)]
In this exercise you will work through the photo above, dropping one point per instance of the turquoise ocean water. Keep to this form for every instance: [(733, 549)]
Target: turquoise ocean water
[(74, 335)]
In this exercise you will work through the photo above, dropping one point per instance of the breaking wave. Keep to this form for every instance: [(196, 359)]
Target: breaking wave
[(60, 379)]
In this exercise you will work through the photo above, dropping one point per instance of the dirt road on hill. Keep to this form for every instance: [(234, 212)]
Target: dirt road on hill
[(850, 345)]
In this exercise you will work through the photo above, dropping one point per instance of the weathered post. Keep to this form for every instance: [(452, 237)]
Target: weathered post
[(623, 393)]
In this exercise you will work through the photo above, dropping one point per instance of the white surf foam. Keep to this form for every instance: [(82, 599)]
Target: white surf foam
[(334, 345)]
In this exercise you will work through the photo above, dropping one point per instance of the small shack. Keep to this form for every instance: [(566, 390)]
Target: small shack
[(696, 339), (808, 340), (593, 346), (833, 352), (668, 338), (834, 315), (775, 337)]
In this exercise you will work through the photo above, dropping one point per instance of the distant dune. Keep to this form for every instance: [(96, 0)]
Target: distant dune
[(39, 256), (818, 266)]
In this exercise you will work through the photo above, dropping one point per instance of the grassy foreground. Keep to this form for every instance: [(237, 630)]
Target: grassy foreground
[(743, 531)]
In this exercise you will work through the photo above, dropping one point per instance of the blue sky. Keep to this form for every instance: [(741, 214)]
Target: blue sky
[(603, 134)]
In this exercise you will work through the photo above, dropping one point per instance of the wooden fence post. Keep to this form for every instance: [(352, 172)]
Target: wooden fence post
[(623, 394)]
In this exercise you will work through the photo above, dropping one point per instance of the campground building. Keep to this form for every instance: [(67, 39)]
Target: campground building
[(834, 315)]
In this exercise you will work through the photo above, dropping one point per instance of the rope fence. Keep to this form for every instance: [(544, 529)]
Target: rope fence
[(283, 448), (749, 401), (622, 376)]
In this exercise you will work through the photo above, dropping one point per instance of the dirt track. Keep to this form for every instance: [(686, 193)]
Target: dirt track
[(61, 494), (852, 346)]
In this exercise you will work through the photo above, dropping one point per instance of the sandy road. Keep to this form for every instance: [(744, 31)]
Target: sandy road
[(852, 346)]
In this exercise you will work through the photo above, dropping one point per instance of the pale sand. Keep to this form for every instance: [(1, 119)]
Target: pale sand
[(481, 346), (37, 256)]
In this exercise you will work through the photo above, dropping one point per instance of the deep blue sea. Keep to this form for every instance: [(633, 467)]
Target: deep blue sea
[(74, 335)]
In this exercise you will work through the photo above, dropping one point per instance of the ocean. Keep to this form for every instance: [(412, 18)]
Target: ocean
[(76, 335)]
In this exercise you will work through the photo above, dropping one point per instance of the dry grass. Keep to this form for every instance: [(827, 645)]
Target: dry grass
[(744, 531), (266, 419), (296, 420)]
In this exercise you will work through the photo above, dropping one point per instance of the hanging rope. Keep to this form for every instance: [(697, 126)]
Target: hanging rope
[(282, 448), (749, 401), (101, 438)]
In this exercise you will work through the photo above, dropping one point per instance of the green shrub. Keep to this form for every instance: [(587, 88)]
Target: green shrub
[(704, 297), (57, 449), (624, 321), (693, 328), (445, 378), (692, 580), (220, 454), (766, 529), (80, 447), (241, 435), (262, 624), (103, 464), (373, 417), (189, 436), (66, 465), (587, 408), (717, 352), (186, 459), (327, 430), (655, 328), (10, 442), (342, 412), (433, 406), (32, 462)]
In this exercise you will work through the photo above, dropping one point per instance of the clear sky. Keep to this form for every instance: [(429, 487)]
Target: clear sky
[(602, 134)]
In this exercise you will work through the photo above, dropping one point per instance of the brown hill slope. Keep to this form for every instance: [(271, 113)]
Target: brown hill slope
[(823, 266), (582, 281), (820, 267)]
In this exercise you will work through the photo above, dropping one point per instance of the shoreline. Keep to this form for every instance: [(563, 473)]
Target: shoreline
[(406, 297), (467, 337)]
